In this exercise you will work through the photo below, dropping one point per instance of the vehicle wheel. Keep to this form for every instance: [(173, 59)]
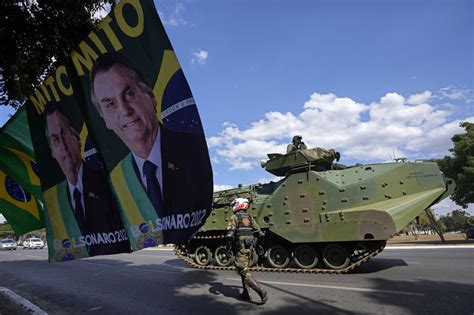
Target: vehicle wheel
[(221, 255), (305, 257), (253, 258), (278, 257), (202, 256), (335, 257)]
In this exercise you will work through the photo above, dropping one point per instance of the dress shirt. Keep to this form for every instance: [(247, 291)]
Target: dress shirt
[(155, 158)]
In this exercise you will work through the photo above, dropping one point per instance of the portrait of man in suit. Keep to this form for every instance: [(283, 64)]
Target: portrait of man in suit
[(88, 197), (172, 167)]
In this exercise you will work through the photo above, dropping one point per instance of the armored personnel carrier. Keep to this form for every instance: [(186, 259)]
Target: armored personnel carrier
[(321, 216)]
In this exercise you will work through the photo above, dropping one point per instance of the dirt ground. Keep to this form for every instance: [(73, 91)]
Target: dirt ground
[(451, 238)]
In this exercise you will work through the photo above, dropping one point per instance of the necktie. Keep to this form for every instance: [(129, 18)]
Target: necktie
[(79, 212), (153, 189)]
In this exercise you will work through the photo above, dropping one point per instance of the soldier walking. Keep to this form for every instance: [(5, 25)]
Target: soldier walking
[(240, 237)]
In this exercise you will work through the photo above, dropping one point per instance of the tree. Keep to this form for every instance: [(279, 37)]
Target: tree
[(5, 230), (36, 36), (460, 166), (458, 220)]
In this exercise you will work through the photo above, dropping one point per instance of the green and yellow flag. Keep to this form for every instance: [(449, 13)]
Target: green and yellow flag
[(19, 207), (17, 155)]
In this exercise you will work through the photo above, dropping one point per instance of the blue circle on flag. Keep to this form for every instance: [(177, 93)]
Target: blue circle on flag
[(144, 228), (66, 243), (16, 191)]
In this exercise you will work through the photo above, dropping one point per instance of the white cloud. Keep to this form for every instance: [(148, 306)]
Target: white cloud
[(200, 56), (416, 99), (265, 180), (414, 127), (454, 93), (447, 205), (221, 187), (174, 18)]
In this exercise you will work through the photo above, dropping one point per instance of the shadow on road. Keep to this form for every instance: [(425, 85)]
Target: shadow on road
[(379, 264), (429, 297), (122, 285)]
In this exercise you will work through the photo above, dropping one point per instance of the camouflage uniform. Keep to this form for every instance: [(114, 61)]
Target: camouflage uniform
[(296, 145), (242, 227)]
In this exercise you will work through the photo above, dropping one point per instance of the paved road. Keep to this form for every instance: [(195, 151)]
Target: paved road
[(398, 281)]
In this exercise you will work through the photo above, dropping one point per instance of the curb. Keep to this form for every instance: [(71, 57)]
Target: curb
[(20, 301)]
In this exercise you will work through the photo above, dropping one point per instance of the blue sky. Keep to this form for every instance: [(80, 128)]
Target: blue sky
[(372, 79)]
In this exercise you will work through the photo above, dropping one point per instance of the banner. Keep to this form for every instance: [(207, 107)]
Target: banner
[(119, 142), (22, 211), (17, 155)]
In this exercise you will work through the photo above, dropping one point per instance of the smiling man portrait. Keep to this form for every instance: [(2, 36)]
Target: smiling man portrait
[(172, 167), (88, 198)]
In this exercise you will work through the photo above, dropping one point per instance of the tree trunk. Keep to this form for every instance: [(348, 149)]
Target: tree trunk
[(434, 224)]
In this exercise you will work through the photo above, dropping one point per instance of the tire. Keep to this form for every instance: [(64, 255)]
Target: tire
[(221, 257), (278, 257), (202, 256), (305, 257), (335, 257)]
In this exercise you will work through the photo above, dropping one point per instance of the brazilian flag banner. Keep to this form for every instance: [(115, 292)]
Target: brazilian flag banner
[(17, 155), (119, 142), (21, 209)]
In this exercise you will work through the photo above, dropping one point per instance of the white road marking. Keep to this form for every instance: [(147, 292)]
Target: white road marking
[(31, 256), (159, 248), (96, 308), (320, 286), (136, 268)]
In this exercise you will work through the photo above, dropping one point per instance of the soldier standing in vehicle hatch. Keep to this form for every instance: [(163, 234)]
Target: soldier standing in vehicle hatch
[(296, 144), (240, 237)]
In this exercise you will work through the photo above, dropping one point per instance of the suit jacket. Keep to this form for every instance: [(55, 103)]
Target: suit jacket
[(187, 178), (101, 212)]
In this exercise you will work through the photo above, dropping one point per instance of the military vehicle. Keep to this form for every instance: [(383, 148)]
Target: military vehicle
[(321, 216)]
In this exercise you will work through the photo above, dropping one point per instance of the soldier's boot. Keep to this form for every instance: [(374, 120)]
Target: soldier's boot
[(251, 282), (245, 293)]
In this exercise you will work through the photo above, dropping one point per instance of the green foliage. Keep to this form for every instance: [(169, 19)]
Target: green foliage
[(460, 166), (441, 225), (458, 220), (37, 35), (6, 230), (421, 223)]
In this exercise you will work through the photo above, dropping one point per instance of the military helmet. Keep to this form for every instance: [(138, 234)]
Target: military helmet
[(297, 137), (239, 204)]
